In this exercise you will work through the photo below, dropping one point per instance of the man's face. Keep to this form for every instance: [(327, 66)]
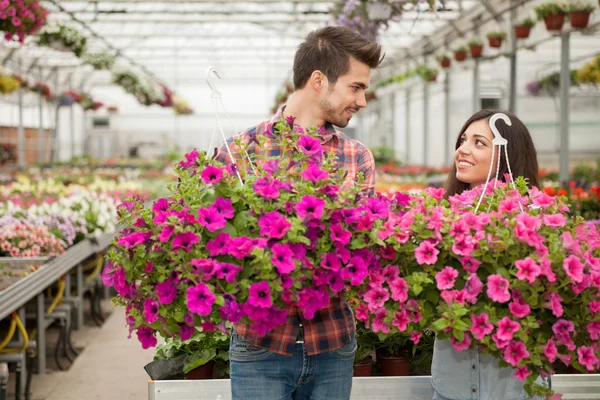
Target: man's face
[(347, 96)]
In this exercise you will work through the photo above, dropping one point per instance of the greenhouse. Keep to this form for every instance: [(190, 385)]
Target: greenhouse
[(262, 199)]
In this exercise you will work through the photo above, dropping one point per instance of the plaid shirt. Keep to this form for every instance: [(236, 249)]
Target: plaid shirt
[(333, 326)]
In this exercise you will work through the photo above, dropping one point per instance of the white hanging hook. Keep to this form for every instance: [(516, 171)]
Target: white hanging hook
[(498, 139), (209, 72)]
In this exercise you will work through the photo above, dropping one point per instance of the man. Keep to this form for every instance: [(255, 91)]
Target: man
[(311, 359)]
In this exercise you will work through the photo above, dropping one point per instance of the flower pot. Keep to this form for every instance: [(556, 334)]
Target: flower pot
[(495, 42), (476, 51), (579, 19), (395, 366), (554, 22), (445, 63), (460, 56), (364, 368), (432, 78), (202, 372), (379, 11), (522, 32)]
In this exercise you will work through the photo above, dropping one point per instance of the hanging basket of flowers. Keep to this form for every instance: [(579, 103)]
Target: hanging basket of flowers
[(579, 14), (460, 53), (523, 28), (19, 19), (444, 61), (43, 89), (63, 38), (475, 47), (100, 61), (8, 84), (553, 15), (495, 39)]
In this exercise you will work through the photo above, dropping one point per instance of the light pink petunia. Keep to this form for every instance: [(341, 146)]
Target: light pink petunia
[(426, 253), (588, 358), (574, 268), (497, 289), (445, 278), (461, 346), (555, 220), (515, 352), (522, 373), (376, 298), (481, 326), (527, 270), (399, 289), (507, 328), (550, 350)]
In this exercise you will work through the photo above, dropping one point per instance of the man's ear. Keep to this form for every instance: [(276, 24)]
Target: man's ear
[(318, 81)]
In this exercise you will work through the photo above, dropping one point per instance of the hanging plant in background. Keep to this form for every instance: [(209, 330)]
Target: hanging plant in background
[(88, 103), (590, 73), (398, 78), (549, 85), (43, 89), (579, 14), (495, 39), (444, 60), (523, 28), (63, 38), (180, 106), (553, 15), (476, 47), (168, 97), (460, 53), (8, 84), (100, 61), (427, 74), (19, 19)]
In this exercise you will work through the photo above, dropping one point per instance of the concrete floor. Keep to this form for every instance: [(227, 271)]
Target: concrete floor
[(110, 367)]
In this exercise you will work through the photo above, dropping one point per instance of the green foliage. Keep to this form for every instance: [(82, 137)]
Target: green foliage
[(63, 37), (398, 78), (475, 42), (579, 6), (496, 35), (383, 155), (100, 61), (530, 22), (550, 8)]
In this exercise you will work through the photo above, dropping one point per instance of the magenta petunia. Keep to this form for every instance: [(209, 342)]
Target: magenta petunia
[(473, 287), (470, 264), (555, 220), (240, 247), (445, 278), (461, 346), (554, 303), (211, 219), (212, 174), (227, 271), (339, 235), (224, 207), (314, 174), (311, 299), (399, 289), (519, 308), (231, 311), (310, 207), (161, 204), (335, 281), (185, 241), (356, 271), (550, 350), (331, 261), (587, 357), (522, 373), (310, 146), (260, 295), (219, 245), (190, 159), (378, 209), (497, 289), (150, 310), (283, 258), (274, 225), (186, 332), (401, 320), (200, 299), (481, 326), (108, 274), (206, 268), (134, 239), (267, 188), (426, 253), (166, 233), (593, 329), (166, 292), (146, 337)]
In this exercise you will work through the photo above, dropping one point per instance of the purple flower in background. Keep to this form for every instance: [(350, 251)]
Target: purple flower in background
[(185, 241), (314, 174), (200, 299), (283, 258), (260, 295), (150, 310), (166, 233), (219, 245), (146, 337), (212, 174), (533, 88), (274, 225), (223, 207), (166, 292), (310, 207), (211, 219)]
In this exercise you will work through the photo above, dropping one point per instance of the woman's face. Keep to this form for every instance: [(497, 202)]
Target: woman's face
[(474, 154)]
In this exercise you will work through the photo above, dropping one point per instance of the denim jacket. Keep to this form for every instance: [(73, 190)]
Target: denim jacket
[(471, 375)]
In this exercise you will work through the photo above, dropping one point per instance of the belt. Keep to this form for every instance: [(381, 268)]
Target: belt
[(300, 337)]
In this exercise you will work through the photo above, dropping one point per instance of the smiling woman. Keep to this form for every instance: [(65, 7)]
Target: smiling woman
[(473, 155)]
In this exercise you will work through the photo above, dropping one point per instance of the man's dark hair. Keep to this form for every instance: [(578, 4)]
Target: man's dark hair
[(521, 152), (329, 50)]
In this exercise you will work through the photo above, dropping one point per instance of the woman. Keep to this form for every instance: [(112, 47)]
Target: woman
[(471, 374)]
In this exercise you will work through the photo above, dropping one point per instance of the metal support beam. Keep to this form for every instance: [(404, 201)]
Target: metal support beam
[(72, 121), (565, 83), (476, 102), (21, 132), (425, 123), (407, 122), (488, 6), (41, 133), (447, 119), (512, 99)]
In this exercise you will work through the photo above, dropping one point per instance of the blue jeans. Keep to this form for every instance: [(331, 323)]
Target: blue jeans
[(257, 374)]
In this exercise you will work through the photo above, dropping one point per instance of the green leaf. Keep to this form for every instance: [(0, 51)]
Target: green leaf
[(198, 359), (440, 324)]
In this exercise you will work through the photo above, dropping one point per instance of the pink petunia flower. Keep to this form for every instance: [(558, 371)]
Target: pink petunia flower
[(445, 278), (274, 225), (507, 328), (522, 373), (426, 253), (515, 352), (473, 287), (574, 268), (527, 270), (592, 261), (212, 174), (376, 298), (166, 292), (497, 289), (356, 271), (340, 235), (219, 245), (166, 233), (211, 219), (554, 303), (240, 247), (593, 329), (555, 220), (399, 289), (470, 264), (481, 326), (185, 241), (260, 295), (314, 174), (200, 299), (401, 320), (588, 358), (415, 337), (550, 350), (224, 207), (463, 245), (519, 308), (461, 346), (310, 146), (146, 337), (331, 261), (227, 271), (150, 310)]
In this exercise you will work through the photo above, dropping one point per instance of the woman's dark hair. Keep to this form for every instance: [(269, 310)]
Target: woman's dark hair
[(329, 50), (521, 152)]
